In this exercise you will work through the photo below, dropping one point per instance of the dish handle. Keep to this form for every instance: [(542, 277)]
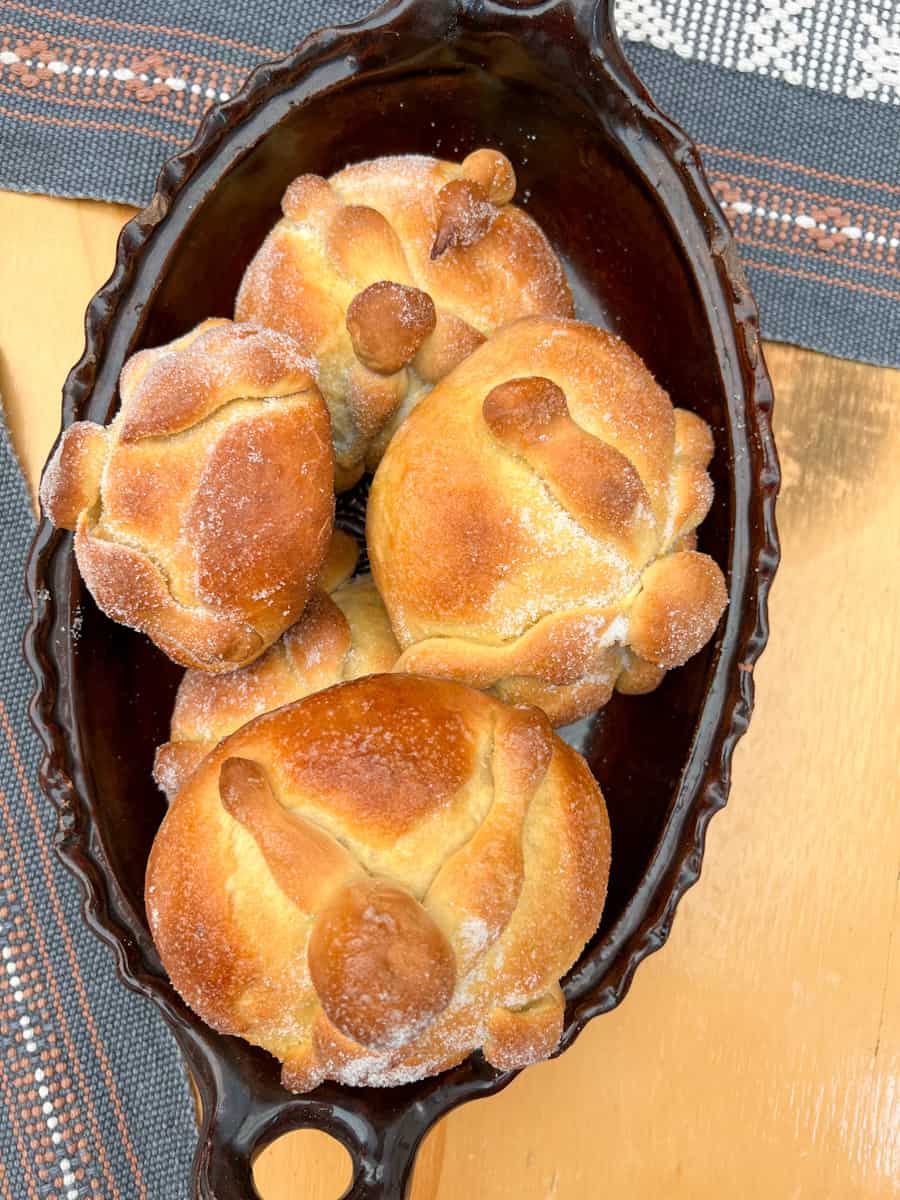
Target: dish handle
[(534, 13), (226, 1146), (593, 20), (382, 1151)]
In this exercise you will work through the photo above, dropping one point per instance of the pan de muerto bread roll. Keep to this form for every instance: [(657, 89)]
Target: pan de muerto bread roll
[(381, 878), (203, 511), (530, 527), (389, 273), (339, 637)]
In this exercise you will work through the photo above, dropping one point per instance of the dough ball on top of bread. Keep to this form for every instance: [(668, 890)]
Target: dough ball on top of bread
[(425, 862), (531, 526), (340, 636), (203, 511), (391, 272)]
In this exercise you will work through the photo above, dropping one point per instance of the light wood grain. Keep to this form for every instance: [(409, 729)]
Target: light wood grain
[(759, 1054)]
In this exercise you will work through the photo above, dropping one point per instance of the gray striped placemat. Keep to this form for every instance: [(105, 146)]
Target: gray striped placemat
[(795, 104), (93, 1096)]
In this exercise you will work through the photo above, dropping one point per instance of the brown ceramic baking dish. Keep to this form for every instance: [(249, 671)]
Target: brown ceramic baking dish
[(620, 192)]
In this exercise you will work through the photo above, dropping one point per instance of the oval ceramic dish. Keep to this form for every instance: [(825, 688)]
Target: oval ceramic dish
[(620, 192)]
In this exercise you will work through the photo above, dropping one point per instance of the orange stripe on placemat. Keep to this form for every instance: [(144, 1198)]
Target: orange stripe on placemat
[(53, 893), (26, 1152), (142, 27), (707, 148), (811, 275), (16, 845), (775, 185), (133, 49), (781, 248), (5, 1193), (135, 106), (71, 122)]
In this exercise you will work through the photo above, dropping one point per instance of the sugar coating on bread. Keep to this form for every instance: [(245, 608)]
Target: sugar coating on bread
[(202, 513), (392, 271), (531, 527), (426, 861), (338, 637)]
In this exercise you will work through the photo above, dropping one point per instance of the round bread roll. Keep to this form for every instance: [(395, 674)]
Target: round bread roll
[(381, 878), (202, 512), (391, 272), (530, 527), (339, 637)]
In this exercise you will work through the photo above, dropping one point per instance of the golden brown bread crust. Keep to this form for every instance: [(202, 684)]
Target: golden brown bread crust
[(337, 638), (202, 513), (374, 932), (681, 599), (387, 323), (340, 561), (426, 862), (530, 528), (389, 273)]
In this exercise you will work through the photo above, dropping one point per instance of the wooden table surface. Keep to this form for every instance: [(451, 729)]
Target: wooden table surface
[(757, 1056)]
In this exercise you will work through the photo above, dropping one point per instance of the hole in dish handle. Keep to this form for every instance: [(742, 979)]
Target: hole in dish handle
[(383, 1152)]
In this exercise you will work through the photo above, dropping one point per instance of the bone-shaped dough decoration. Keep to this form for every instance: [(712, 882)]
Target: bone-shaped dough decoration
[(426, 862)]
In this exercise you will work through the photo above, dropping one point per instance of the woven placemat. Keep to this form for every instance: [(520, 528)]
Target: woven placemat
[(93, 1094), (795, 104)]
